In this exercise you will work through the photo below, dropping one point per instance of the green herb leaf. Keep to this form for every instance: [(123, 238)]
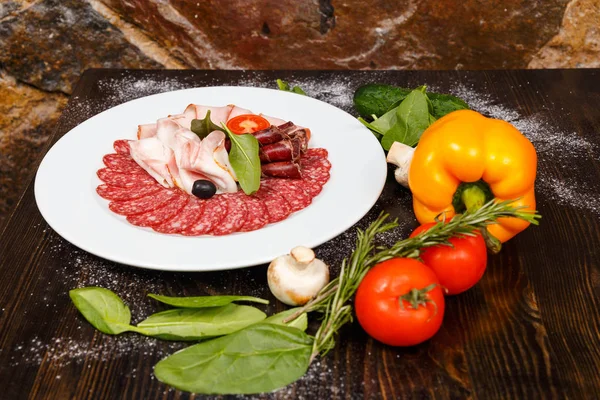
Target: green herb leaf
[(283, 85), (412, 118), (301, 322), (260, 358), (244, 159), (377, 99), (199, 323), (204, 301), (202, 127), (103, 309)]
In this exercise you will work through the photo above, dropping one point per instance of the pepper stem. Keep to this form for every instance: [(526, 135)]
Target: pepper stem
[(473, 198)]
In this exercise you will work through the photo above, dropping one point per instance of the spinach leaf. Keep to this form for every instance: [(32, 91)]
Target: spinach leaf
[(244, 159), (260, 358), (199, 323), (445, 104), (103, 309), (204, 301), (202, 127), (283, 85), (301, 322), (377, 99), (411, 119)]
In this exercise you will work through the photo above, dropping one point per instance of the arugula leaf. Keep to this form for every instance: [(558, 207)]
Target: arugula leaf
[(103, 309), (204, 301), (199, 323), (408, 121), (202, 127), (258, 359), (244, 159), (283, 85)]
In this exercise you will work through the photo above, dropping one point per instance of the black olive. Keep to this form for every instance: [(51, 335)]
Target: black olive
[(204, 189)]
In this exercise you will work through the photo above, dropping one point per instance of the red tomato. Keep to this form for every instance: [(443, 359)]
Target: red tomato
[(459, 267), (383, 302), (247, 123)]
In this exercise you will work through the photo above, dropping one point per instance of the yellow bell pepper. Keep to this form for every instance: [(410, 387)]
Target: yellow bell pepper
[(465, 147)]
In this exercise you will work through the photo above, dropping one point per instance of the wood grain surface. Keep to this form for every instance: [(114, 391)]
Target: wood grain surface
[(529, 329)]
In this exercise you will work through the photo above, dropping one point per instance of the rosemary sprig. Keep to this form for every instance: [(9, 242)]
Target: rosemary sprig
[(333, 300)]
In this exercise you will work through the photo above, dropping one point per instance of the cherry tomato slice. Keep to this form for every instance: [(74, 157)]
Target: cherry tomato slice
[(247, 123)]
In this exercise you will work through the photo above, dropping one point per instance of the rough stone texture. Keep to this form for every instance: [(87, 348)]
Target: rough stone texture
[(27, 117), (420, 34), (49, 43), (577, 44)]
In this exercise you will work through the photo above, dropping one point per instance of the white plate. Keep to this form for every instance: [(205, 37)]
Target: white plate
[(66, 181)]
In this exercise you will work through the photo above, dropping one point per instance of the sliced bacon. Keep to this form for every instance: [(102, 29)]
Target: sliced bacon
[(282, 169)]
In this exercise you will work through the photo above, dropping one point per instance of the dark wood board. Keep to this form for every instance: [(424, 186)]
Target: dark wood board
[(529, 329)]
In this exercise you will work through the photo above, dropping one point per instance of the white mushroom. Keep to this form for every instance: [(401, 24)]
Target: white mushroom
[(401, 156), (297, 277)]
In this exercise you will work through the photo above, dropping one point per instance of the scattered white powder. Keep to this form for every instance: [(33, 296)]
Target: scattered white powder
[(120, 90)]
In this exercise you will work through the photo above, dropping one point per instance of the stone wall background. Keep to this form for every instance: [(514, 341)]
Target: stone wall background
[(45, 45)]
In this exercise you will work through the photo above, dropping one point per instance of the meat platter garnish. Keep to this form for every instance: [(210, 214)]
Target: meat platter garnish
[(213, 170)]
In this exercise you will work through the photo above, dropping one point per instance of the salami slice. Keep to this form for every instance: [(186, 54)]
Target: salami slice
[(122, 163), (143, 204), (214, 211), (160, 214), (116, 193), (119, 179), (310, 186), (235, 217), (257, 215), (121, 146), (277, 207), (316, 168), (293, 193), (186, 217), (316, 152)]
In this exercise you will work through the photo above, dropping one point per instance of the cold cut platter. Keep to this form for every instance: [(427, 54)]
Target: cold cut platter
[(166, 181)]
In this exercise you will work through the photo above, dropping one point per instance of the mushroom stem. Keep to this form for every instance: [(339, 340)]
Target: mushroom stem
[(401, 156)]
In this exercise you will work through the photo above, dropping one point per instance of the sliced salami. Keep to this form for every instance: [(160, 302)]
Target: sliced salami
[(256, 216), (277, 207), (144, 204), (310, 186), (119, 179), (121, 146), (214, 211), (316, 168), (116, 193), (316, 152), (122, 163), (161, 214), (291, 191), (185, 218), (235, 217)]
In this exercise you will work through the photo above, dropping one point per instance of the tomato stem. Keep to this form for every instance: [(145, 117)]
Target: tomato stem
[(418, 297)]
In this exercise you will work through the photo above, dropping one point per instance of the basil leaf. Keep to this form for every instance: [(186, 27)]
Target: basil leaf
[(103, 309), (301, 322), (202, 127), (412, 118), (244, 160), (204, 301), (284, 86), (260, 358), (199, 323), (377, 99)]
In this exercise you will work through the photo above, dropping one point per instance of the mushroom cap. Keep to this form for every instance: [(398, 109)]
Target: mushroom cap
[(295, 283)]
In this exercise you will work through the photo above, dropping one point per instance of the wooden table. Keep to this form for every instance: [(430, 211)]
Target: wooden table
[(529, 329)]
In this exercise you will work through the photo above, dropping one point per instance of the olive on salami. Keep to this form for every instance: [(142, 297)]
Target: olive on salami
[(122, 163), (143, 204), (161, 214), (187, 216), (116, 193), (214, 211), (235, 217), (114, 178)]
